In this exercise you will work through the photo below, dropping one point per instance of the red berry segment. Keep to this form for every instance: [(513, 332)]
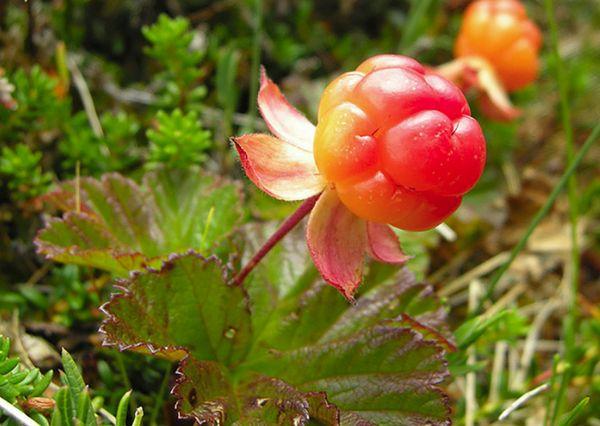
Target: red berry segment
[(390, 61), (348, 147), (338, 91), (391, 94), (378, 199), (399, 144), (450, 99), (417, 152)]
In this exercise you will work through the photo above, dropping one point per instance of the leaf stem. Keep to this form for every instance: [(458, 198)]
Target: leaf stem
[(542, 212), (281, 232)]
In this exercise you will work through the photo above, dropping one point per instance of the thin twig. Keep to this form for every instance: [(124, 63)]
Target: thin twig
[(530, 343), (522, 400), (210, 115), (78, 187), (18, 345), (445, 231), (125, 378), (506, 300), (497, 370), (39, 273), (513, 181), (86, 97)]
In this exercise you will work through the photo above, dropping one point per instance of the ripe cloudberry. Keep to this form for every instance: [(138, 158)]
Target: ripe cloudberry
[(394, 145), (398, 143), (500, 32)]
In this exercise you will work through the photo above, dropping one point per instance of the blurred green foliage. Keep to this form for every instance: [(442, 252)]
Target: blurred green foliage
[(22, 168), (177, 51), (178, 140)]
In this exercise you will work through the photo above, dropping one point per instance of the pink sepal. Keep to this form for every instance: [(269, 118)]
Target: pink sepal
[(282, 118), (337, 241), (384, 245), (279, 168)]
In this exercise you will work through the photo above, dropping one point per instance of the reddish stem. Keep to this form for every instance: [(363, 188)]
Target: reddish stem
[(281, 232)]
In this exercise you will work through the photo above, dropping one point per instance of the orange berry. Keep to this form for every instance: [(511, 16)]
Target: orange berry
[(500, 32), (399, 144)]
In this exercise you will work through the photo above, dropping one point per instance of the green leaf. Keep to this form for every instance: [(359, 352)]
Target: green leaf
[(121, 416), (379, 362), (85, 410), (22, 168), (72, 375), (121, 226), (39, 418), (568, 418), (207, 395), (77, 390), (8, 365), (139, 415), (186, 306), (470, 331), (293, 306), (63, 413), (387, 374), (371, 359), (42, 384)]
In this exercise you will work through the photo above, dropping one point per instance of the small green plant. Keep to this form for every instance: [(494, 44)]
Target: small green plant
[(174, 47), (37, 106), (114, 150), (25, 176), (178, 140), (73, 298), (74, 404), (21, 386), (21, 400)]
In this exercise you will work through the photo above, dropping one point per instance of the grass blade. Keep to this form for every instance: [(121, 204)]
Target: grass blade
[(542, 212), (571, 416)]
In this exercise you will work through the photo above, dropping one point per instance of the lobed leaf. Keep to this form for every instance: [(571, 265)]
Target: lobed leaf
[(207, 394), (185, 307), (387, 374), (371, 359), (269, 353), (120, 226)]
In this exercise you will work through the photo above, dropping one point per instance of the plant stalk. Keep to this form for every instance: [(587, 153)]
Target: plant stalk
[(289, 224), (569, 326)]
